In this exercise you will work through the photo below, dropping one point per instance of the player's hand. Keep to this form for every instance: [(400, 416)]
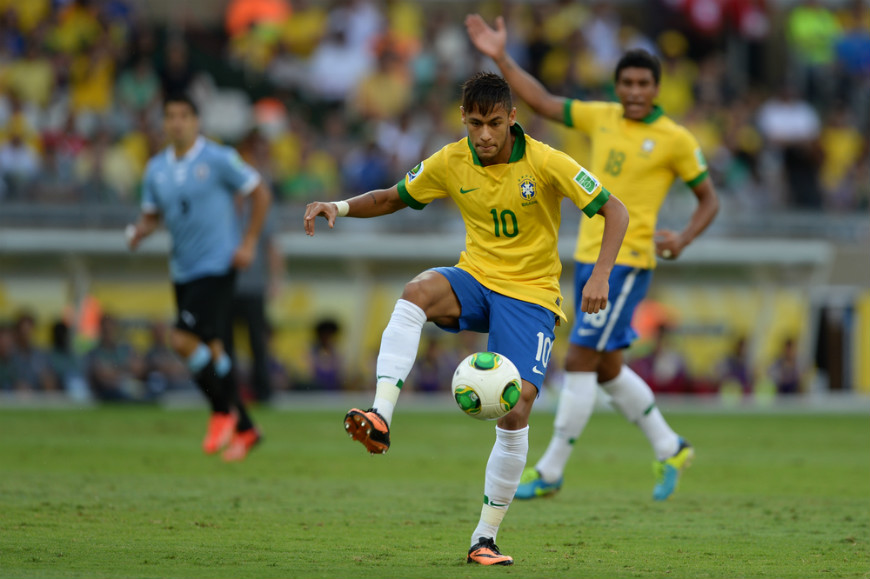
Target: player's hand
[(132, 236), (312, 210), (594, 295), (668, 244), (488, 41), (244, 255)]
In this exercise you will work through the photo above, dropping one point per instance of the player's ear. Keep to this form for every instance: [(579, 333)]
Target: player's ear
[(512, 117), (462, 112)]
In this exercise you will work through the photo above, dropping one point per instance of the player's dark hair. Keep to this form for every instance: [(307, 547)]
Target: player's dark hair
[(639, 58), (183, 99), (485, 91)]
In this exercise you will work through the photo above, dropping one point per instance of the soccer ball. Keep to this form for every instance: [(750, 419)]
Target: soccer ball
[(486, 385)]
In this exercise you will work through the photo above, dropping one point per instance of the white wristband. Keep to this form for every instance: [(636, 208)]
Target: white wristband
[(342, 207)]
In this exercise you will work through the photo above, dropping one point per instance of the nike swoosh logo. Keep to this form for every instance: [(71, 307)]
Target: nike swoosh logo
[(586, 332), (497, 504), (536, 371), (464, 191)]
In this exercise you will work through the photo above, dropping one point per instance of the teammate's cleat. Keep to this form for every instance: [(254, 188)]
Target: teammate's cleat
[(485, 552), (241, 444), (221, 426), (668, 471), (533, 486), (369, 428)]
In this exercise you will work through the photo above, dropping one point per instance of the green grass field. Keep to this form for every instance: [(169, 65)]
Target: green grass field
[(126, 492)]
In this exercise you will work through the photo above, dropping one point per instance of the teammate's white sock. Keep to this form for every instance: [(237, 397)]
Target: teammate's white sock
[(576, 401), (634, 399), (399, 344), (503, 471)]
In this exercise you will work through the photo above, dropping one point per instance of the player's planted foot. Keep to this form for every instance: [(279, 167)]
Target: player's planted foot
[(241, 444), (221, 426), (668, 471), (369, 428), (533, 486), (485, 552)]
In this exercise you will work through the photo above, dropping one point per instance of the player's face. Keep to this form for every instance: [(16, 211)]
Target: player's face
[(636, 89), (180, 123), (490, 134)]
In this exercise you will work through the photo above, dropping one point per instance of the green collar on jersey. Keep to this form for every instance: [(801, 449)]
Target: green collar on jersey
[(653, 115), (516, 153)]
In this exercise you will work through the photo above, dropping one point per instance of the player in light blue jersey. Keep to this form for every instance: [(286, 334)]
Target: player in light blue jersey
[(191, 186)]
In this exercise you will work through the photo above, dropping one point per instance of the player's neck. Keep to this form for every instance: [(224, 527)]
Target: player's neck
[(181, 148)]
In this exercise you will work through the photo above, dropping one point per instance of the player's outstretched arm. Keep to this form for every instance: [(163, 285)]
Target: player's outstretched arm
[(492, 42), (372, 204), (136, 232), (597, 287), (670, 244)]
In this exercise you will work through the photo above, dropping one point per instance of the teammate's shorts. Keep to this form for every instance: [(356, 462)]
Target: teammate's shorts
[(610, 329), (204, 305), (522, 331)]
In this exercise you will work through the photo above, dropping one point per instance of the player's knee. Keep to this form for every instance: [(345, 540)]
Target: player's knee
[(582, 359), (182, 342), (519, 417)]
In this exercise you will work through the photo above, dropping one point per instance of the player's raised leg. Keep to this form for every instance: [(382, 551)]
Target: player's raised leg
[(427, 296), (634, 399)]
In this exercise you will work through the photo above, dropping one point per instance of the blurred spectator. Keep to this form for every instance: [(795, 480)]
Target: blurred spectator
[(66, 366), (664, 368), (19, 164), (792, 127), (32, 365), (177, 73), (433, 370), (785, 371), (8, 371), (113, 367), (385, 92), (325, 361), (279, 377), (842, 147), (138, 88), (164, 371), (734, 370), (813, 32)]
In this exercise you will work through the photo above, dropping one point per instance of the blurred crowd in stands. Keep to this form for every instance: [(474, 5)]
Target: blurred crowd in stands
[(332, 98), (110, 368)]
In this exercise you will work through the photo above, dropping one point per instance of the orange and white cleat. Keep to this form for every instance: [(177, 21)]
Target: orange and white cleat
[(241, 444), (485, 552), (221, 426), (369, 428)]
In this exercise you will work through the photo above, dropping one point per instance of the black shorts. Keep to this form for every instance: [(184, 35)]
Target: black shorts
[(204, 305)]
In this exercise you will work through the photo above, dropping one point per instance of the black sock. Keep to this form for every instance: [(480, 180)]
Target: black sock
[(231, 392), (212, 387)]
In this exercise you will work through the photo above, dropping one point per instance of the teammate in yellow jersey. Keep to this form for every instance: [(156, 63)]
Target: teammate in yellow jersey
[(638, 152), (509, 189)]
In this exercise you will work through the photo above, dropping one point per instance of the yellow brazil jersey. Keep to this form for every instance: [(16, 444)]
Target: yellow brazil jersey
[(638, 161), (511, 212)]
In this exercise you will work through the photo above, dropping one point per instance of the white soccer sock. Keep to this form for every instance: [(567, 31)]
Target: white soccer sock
[(399, 344), (576, 401), (634, 399), (503, 471)]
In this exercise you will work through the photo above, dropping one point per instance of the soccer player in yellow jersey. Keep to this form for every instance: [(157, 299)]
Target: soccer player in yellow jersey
[(509, 189), (637, 152)]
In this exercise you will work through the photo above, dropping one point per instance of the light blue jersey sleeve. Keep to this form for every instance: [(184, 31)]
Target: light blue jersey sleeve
[(238, 176)]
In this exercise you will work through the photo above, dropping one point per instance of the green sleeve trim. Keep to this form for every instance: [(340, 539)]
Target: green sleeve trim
[(592, 209), (569, 122), (406, 197), (697, 180)]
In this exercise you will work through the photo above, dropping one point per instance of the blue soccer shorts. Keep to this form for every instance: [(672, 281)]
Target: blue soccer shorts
[(522, 331), (610, 329)]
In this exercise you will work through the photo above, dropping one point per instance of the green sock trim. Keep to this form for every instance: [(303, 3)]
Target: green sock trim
[(650, 409)]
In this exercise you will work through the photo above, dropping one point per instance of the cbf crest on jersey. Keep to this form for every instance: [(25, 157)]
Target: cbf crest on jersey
[(413, 173), (647, 146), (528, 190), (200, 171)]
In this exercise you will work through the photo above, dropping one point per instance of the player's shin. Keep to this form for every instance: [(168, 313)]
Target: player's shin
[(503, 471), (576, 401), (399, 344), (203, 370), (632, 396)]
